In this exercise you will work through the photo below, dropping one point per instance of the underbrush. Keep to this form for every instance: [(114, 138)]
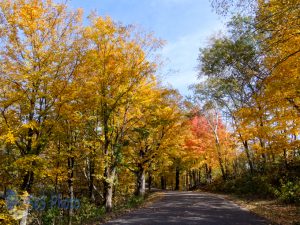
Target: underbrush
[(271, 186), (87, 213)]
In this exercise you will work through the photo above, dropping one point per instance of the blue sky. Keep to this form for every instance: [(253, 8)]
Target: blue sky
[(185, 25)]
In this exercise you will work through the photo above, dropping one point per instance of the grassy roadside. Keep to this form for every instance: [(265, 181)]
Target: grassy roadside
[(133, 204), (272, 210)]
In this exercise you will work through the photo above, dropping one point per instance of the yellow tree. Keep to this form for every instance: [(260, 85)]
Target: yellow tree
[(117, 62), (154, 133), (40, 51), (279, 22)]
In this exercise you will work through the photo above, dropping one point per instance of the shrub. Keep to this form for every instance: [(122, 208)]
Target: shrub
[(50, 215), (289, 192), (88, 211), (134, 201)]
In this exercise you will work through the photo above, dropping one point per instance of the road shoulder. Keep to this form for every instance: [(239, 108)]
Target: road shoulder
[(149, 199), (273, 211)]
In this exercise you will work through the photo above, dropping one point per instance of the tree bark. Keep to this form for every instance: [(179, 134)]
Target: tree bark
[(218, 145), (194, 174), (91, 179), (149, 181), (177, 179), (163, 183), (109, 176), (190, 180), (246, 147), (140, 188), (27, 181), (285, 158), (71, 187), (208, 173)]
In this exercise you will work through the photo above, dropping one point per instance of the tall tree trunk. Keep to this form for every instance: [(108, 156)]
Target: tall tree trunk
[(27, 181), (214, 127), (190, 180), (149, 180), (208, 173), (187, 184), (140, 188), (295, 150), (194, 174), (71, 187), (109, 170), (91, 178), (235, 167), (285, 158), (262, 143), (263, 155), (28, 177), (109, 176), (26, 202), (57, 167), (220, 158), (163, 183), (246, 147), (177, 179)]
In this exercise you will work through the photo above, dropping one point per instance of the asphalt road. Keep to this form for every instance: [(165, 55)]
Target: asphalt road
[(187, 208)]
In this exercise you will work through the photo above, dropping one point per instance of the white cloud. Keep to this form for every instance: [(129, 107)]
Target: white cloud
[(182, 55)]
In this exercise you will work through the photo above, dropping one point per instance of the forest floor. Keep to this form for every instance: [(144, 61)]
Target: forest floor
[(272, 210), (190, 208)]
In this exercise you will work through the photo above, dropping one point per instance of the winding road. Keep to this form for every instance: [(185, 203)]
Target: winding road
[(187, 208)]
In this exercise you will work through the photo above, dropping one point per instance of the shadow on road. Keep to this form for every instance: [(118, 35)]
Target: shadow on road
[(190, 208)]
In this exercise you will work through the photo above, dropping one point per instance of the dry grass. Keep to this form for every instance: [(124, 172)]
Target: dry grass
[(275, 212)]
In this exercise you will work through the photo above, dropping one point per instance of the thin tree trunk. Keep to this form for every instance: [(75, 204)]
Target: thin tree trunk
[(57, 167), (187, 180), (285, 158), (220, 157), (26, 203), (190, 180), (149, 181), (194, 178), (177, 179), (208, 173), (71, 187), (163, 183), (27, 181), (262, 144), (25, 214), (263, 155), (91, 179), (246, 147), (295, 151)]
